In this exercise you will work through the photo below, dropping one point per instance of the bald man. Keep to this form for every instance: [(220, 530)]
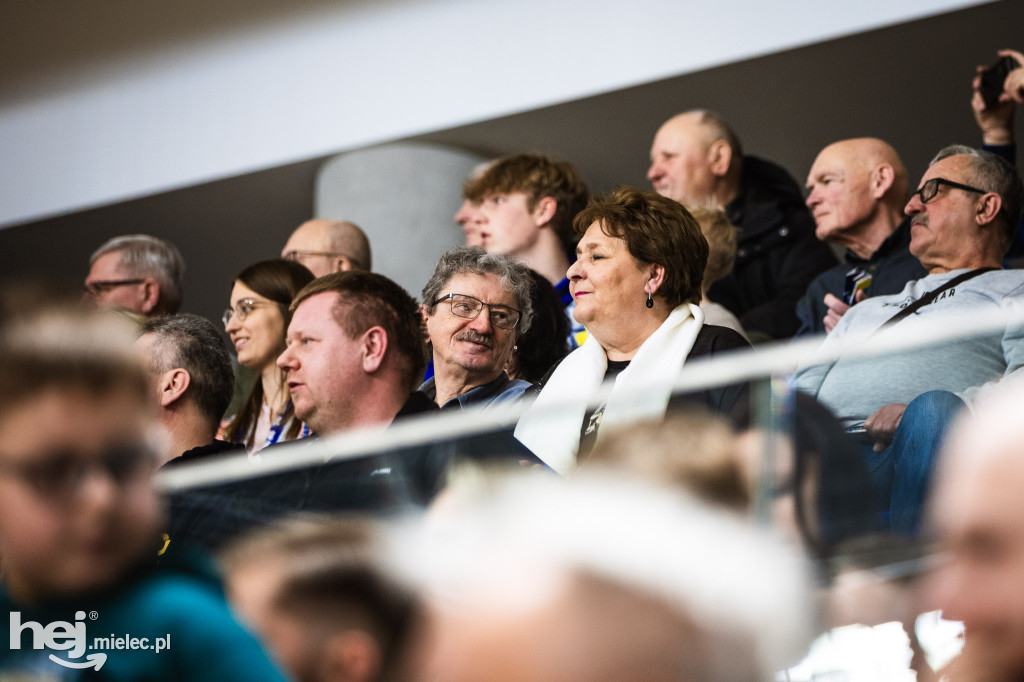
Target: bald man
[(697, 159), (857, 191), (325, 246), (978, 512)]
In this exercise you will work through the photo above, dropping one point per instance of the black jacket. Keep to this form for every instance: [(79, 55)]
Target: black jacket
[(384, 483), (777, 253), (891, 267)]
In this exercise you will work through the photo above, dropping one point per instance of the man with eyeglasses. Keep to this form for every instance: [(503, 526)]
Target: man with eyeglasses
[(523, 206), (857, 189), (963, 216), (326, 246), (81, 523), (138, 272), (475, 306), (355, 354)]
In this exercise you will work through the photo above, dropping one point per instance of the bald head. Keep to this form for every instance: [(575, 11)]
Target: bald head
[(696, 158), (325, 246), (978, 511), (857, 190)]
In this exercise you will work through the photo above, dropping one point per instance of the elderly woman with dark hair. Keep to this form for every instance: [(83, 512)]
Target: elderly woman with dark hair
[(637, 288)]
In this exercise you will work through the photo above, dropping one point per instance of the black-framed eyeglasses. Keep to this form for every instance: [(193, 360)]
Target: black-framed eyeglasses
[(242, 309), (295, 255), (469, 307), (930, 188), (59, 476), (97, 288)]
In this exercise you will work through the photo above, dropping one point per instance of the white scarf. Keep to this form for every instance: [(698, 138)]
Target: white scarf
[(551, 427)]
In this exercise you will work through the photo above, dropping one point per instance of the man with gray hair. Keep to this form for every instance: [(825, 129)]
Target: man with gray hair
[(963, 216), (697, 159), (192, 378), (471, 349), (325, 246), (138, 272)]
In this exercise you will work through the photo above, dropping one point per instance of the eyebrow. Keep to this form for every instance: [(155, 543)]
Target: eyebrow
[(253, 299), (589, 246)]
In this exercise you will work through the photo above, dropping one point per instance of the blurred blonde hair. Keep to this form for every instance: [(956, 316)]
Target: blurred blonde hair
[(693, 450), (721, 236)]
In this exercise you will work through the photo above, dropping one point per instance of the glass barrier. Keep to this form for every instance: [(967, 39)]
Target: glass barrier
[(832, 446)]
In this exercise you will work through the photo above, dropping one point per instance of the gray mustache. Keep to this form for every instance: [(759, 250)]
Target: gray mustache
[(475, 337)]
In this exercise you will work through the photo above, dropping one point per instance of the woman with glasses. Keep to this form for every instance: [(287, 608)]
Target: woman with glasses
[(636, 284), (256, 321)]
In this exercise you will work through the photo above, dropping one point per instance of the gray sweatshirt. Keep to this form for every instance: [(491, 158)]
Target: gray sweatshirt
[(856, 388)]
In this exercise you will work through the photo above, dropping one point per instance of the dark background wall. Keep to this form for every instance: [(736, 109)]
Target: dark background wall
[(909, 84)]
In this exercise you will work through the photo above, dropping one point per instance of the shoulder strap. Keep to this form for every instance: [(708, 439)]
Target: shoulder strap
[(932, 295)]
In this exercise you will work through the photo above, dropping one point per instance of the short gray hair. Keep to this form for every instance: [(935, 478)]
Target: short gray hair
[(511, 272), (194, 344), (992, 173), (145, 256)]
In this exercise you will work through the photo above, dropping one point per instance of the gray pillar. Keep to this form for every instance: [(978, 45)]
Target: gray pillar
[(404, 196)]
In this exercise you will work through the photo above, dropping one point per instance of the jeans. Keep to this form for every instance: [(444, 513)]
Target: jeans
[(902, 471)]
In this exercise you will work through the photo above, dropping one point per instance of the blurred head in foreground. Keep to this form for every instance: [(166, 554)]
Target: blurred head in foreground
[(978, 514), (77, 509), (600, 579), (316, 593), (695, 450)]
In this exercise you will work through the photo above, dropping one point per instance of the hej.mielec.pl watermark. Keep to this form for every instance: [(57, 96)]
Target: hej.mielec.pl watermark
[(70, 637)]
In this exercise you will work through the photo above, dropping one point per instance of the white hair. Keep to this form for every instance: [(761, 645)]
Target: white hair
[(733, 581)]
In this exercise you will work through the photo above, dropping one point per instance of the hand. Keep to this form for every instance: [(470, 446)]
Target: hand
[(995, 122), (883, 423), (836, 309), (1013, 88)]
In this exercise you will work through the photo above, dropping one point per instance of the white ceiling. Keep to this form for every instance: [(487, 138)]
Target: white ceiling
[(102, 102)]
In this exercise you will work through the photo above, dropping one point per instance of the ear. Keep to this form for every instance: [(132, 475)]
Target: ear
[(350, 656), (342, 264), (424, 316), (655, 279), (374, 348), (172, 385), (881, 180), (150, 295), (719, 158), (988, 208), (544, 211)]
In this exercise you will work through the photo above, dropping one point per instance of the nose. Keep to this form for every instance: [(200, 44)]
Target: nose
[(813, 199), (464, 214), (575, 270), (98, 491), (654, 172), (482, 322), (286, 360), (946, 588), (914, 206), (233, 324), (477, 215)]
